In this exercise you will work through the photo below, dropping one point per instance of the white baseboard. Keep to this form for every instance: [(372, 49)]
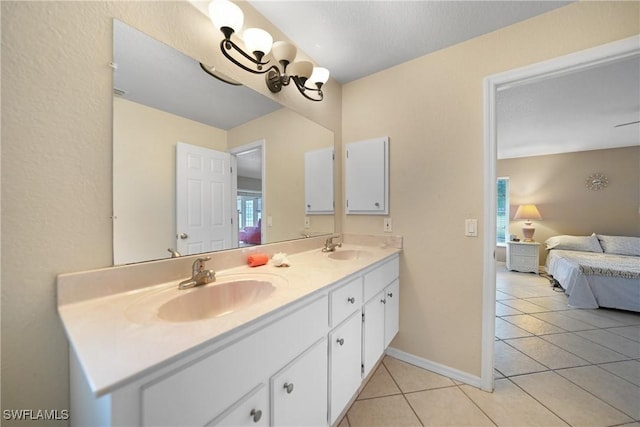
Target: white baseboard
[(435, 367)]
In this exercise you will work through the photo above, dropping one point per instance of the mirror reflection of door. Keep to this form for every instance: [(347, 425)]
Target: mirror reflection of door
[(250, 193), (203, 199)]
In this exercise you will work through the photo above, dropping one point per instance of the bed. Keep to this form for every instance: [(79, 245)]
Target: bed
[(597, 270)]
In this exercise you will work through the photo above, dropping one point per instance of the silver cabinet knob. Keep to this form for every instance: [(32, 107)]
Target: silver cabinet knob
[(288, 387), (352, 300), (184, 236), (384, 301), (377, 204), (390, 294), (340, 341), (256, 414)]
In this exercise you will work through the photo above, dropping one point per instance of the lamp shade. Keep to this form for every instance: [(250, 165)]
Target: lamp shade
[(301, 69), (224, 13), (527, 212), (257, 40), (319, 75), (284, 52)]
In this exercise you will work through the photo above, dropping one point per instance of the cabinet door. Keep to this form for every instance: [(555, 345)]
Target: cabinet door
[(252, 410), (318, 181), (345, 355), (367, 176), (391, 311), (299, 390), (373, 332)]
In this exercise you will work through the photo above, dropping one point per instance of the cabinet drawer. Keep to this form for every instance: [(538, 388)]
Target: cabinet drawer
[(201, 391), (527, 250), (376, 280), (524, 261), (345, 300), (251, 410)]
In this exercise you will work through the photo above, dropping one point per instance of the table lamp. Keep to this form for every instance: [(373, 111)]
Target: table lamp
[(527, 212)]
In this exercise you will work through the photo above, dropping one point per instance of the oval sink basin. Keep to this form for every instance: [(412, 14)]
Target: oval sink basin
[(215, 300), (348, 254)]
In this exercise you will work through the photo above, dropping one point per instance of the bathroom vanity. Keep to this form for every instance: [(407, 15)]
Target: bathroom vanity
[(297, 355)]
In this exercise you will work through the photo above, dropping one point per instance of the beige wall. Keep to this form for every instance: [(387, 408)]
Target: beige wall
[(432, 110), (287, 136), (144, 155), (56, 163), (556, 185)]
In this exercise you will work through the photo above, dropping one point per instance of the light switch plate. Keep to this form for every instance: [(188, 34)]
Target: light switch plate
[(471, 227), (307, 222), (388, 227)]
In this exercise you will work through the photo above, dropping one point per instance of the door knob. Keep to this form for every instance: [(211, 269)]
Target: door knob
[(256, 414), (184, 236)]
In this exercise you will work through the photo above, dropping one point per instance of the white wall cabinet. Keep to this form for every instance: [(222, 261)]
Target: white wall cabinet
[(318, 182), (367, 177), (300, 366)]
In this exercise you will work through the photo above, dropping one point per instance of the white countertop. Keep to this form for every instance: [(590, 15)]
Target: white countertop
[(115, 346)]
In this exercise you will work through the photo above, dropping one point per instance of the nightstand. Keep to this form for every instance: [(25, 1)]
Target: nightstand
[(523, 256)]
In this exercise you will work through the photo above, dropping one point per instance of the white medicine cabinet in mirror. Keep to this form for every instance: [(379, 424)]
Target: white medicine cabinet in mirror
[(163, 97)]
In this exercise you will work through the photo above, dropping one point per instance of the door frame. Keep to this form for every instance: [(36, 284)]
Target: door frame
[(262, 144), (555, 67)]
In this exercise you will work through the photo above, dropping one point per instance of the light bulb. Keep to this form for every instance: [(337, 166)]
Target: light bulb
[(224, 13)]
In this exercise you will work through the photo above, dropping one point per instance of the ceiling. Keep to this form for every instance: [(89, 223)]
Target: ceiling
[(558, 114)]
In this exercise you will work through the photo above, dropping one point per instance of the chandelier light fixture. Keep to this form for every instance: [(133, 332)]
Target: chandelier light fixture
[(228, 18)]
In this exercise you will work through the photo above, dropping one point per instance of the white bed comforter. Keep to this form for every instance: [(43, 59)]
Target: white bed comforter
[(595, 280)]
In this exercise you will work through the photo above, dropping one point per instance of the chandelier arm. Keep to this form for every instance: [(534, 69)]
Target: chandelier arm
[(228, 44), (303, 89)]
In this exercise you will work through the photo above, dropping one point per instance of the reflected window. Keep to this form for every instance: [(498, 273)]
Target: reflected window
[(502, 205)]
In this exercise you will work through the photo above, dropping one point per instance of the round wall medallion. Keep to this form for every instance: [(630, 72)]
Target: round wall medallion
[(596, 181)]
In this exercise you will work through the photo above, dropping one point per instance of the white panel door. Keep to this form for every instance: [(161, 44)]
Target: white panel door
[(203, 199), (391, 311), (373, 332), (345, 353)]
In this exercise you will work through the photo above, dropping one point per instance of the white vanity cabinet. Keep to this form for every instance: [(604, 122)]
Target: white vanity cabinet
[(299, 366), (380, 312), (367, 177)]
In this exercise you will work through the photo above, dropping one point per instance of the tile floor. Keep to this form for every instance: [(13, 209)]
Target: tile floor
[(555, 366)]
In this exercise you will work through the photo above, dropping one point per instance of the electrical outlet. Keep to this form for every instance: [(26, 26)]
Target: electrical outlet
[(307, 222), (387, 225)]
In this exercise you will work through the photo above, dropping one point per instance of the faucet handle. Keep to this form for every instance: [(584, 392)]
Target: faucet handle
[(198, 264)]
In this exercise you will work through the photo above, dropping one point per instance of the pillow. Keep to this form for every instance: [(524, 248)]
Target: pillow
[(620, 245), (575, 243)]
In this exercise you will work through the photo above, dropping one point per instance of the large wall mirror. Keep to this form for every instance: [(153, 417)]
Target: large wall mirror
[(163, 99)]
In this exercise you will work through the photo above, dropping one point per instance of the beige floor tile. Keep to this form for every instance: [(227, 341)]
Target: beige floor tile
[(571, 403), (446, 407), (508, 405), (380, 384), (625, 317), (546, 353), (502, 296), (592, 317), (617, 392), (383, 412), (344, 422), (524, 306), (613, 341), (505, 310), (506, 330), (561, 320), (557, 303), (533, 325), (411, 378), (510, 361), (628, 370), (631, 332), (582, 347)]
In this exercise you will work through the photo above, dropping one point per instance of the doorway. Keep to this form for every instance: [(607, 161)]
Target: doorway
[(493, 84), (249, 193)]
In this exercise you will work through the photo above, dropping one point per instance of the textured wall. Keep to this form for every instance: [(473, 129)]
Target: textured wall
[(432, 110), (56, 163)]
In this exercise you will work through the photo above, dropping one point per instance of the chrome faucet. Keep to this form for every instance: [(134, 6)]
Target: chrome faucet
[(174, 253), (329, 246), (199, 276)]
